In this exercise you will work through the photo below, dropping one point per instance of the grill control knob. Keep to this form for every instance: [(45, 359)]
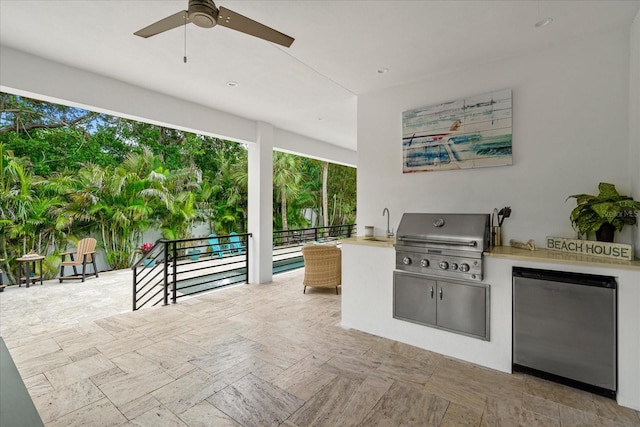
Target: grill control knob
[(406, 260), (464, 267), (444, 265), (424, 263), (454, 266)]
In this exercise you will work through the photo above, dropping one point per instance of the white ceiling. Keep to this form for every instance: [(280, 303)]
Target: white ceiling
[(310, 88)]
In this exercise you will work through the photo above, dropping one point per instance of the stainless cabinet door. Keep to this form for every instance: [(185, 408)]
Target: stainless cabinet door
[(414, 298), (462, 308)]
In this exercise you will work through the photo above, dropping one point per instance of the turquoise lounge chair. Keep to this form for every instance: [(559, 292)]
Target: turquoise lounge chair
[(234, 243), (216, 248)]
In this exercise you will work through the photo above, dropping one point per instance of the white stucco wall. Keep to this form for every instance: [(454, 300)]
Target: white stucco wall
[(570, 132)]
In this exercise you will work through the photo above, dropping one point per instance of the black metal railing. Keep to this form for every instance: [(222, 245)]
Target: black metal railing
[(173, 269), (177, 268), (300, 236), (287, 244)]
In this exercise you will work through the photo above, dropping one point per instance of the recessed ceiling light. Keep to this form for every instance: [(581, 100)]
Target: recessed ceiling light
[(383, 70), (544, 22), (232, 84)]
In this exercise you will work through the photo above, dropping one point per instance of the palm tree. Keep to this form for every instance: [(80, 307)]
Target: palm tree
[(125, 210), (287, 177), (182, 188), (81, 192), (116, 202), (27, 218), (120, 203), (229, 187), (15, 198)]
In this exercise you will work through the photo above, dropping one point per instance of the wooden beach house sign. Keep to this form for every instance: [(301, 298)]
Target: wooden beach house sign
[(473, 132), (591, 248)]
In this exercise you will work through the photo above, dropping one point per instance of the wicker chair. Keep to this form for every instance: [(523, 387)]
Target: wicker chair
[(322, 267), (85, 253)]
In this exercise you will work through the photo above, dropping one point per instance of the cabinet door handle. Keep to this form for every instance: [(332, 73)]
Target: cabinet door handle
[(431, 292), (440, 292)]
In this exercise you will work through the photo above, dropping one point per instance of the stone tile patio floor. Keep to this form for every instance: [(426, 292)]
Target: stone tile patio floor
[(254, 355), (54, 305)]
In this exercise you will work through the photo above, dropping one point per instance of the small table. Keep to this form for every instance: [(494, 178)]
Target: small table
[(29, 262)]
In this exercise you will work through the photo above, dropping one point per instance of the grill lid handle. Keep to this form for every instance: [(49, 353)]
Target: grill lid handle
[(471, 243)]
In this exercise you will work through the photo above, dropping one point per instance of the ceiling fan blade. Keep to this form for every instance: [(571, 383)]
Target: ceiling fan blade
[(235, 21), (168, 23)]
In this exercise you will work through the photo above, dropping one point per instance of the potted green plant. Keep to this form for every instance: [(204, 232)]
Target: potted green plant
[(603, 214)]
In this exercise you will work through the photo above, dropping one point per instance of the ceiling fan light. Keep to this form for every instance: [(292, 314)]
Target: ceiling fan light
[(543, 22), (202, 20)]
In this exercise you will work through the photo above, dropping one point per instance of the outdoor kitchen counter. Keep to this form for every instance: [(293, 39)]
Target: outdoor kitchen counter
[(379, 241), (499, 264), (367, 305), (559, 257)]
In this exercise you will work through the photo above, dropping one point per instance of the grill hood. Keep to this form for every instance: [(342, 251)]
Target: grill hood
[(460, 232)]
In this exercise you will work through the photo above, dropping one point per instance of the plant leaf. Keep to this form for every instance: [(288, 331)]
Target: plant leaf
[(608, 191), (581, 198), (607, 210), (629, 204)]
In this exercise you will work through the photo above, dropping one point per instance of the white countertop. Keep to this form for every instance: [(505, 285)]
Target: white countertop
[(508, 252), (379, 241), (559, 257)]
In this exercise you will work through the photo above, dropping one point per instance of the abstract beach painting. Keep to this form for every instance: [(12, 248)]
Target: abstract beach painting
[(474, 132)]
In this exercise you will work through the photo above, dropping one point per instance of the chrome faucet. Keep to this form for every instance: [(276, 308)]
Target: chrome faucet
[(389, 232)]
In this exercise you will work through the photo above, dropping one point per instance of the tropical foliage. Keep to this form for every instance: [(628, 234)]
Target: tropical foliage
[(66, 173)]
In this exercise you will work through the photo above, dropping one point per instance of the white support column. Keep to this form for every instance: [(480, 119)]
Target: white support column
[(260, 205)]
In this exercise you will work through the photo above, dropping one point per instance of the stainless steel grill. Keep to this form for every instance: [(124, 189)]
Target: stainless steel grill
[(443, 245)]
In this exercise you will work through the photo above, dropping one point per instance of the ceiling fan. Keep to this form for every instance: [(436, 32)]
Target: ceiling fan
[(205, 14)]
